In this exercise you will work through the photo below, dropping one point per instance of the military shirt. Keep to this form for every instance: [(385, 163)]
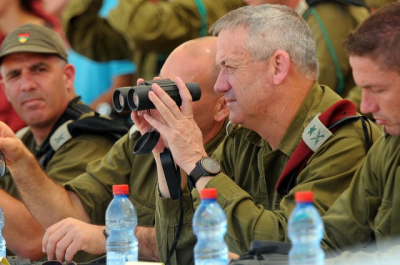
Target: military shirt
[(339, 20), (369, 209), (121, 166), (251, 169)]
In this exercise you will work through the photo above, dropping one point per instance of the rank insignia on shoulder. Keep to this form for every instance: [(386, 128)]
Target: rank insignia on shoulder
[(60, 136), (315, 134)]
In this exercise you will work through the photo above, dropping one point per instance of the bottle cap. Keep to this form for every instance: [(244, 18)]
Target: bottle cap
[(210, 193), (120, 189), (304, 196)]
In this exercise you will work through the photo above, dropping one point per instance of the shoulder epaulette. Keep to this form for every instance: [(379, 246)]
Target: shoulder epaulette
[(315, 134), (60, 136), (78, 119)]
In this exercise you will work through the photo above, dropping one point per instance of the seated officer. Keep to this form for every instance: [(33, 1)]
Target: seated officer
[(87, 196), (63, 134), (269, 69), (368, 212)]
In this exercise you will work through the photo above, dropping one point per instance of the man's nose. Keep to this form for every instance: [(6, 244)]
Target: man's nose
[(27, 82), (222, 84), (368, 103)]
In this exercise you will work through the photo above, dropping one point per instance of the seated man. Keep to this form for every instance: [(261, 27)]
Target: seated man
[(267, 57), (87, 197), (63, 134), (367, 212)]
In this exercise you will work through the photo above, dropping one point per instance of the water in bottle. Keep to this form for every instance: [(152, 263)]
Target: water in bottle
[(2, 240), (121, 220), (306, 230), (209, 225)]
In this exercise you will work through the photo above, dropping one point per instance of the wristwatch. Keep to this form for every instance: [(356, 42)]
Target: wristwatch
[(106, 232), (206, 166)]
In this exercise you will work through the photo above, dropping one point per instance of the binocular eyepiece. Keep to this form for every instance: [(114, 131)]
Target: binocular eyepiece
[(136, 98)]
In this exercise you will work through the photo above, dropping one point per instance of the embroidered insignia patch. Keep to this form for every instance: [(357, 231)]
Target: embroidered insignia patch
[(60, 136), (23, 37), (315, 134)]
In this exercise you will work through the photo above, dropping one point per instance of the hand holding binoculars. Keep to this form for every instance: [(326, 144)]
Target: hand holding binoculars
[(136, 98)]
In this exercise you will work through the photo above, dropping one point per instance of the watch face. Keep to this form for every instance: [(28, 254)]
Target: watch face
[(211, 165)]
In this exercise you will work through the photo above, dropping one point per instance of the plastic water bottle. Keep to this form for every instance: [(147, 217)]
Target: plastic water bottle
[(306, 230), (121, 220), (2, 240), (209, 225)]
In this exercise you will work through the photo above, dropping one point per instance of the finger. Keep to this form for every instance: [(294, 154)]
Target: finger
[(134, 117), (49, 232), (186, 107), (63, 244), (5, 130), (139, 81), (140, 123), (53, 244), (159, 126), (45, 241), (71, 250), (165, 105)]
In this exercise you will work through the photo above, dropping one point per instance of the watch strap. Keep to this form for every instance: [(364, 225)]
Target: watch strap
[(106, 233), (196, 174)]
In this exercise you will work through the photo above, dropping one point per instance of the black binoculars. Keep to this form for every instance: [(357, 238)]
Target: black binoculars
[(136, 98)]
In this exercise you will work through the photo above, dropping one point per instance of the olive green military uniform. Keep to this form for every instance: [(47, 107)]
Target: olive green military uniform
[(139, 26), (369, 209), (246, 189), (121, 166), (338, 20), (69, 161)]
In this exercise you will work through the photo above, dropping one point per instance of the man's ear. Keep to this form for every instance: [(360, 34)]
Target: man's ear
[(69, 72), (280, 60), (3, 87), (222, 111)]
